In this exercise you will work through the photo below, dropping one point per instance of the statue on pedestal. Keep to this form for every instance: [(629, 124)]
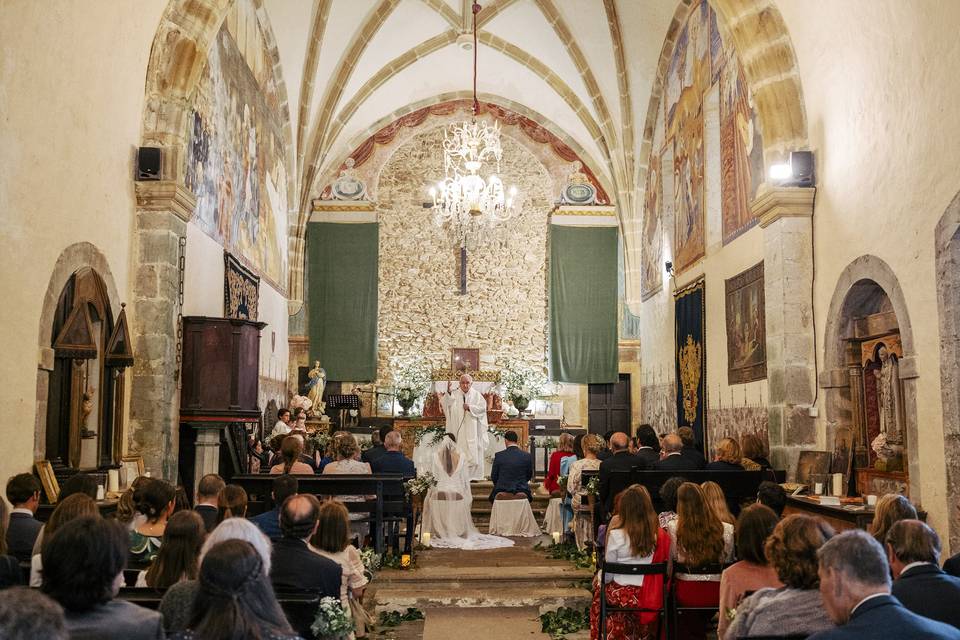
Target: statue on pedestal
[(889, 396), (318, 380)]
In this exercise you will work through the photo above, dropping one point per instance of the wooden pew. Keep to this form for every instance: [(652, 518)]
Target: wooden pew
[(389, 504)]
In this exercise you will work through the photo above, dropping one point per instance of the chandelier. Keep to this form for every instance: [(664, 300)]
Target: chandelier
[(465, 200)]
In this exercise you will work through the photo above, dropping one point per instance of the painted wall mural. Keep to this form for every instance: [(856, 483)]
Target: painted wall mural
[(651, 264), (236, 159)]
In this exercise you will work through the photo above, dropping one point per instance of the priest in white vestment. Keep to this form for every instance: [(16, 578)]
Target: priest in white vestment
[(466, 413)]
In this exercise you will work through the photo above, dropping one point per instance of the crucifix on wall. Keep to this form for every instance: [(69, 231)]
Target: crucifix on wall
[(462, 269)]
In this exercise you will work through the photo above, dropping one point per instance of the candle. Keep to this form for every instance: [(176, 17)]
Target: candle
[(837, 482), (113, 480), (556, 537), (818, 488), (871, 500), (100, 492), (405, 561), (425, 538)]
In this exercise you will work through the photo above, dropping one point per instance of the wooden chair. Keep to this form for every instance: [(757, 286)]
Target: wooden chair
[(616, 568), (677, 609)]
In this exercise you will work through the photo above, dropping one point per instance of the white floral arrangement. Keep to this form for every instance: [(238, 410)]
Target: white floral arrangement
[(372, 561), (420, 485), (546, 442), (433, 433), (412, 377), (881, 448), (320, 440), (300, 402), (592, 487), (522, 381), (496, 432), (332, 621)]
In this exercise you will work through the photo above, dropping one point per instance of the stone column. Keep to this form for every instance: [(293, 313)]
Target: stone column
[(163, 209), (207, 453), (785, 215), (860, 457)]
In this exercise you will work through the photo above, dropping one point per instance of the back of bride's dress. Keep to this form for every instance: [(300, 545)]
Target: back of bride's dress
[(446, 510)]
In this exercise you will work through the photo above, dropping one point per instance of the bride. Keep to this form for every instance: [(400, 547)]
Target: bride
[(446, 511)]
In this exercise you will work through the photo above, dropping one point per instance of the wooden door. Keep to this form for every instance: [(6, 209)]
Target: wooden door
[(608, 406)]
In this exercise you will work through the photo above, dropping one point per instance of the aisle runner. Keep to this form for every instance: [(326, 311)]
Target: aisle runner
[(500, 623)]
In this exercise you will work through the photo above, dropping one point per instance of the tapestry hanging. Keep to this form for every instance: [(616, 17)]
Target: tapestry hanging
[(691, 361), (746, 327), (241, 290)]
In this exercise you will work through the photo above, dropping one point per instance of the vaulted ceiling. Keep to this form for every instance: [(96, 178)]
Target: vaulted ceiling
[(585, 66)]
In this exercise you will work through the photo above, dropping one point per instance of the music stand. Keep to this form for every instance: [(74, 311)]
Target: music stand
[(343, 403)]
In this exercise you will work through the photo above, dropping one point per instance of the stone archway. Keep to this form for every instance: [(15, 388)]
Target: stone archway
[(948, 307), (72, 259), (868, 286)]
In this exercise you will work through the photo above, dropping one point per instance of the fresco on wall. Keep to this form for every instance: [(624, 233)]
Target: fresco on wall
[(699, 61), (236, 158), (746, 327), (736, 422), (651, 276)]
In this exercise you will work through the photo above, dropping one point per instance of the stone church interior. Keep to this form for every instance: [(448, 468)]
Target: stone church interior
[(510, 318)]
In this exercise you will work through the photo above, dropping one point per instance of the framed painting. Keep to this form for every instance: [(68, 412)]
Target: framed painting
[(746, 327), (131, 468), (465, 360), (49, 481), (813, 464)]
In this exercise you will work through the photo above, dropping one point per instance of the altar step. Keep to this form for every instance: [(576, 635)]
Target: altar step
[(482, 506)]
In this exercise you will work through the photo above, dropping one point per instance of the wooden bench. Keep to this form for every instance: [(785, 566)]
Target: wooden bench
[(389, 505)]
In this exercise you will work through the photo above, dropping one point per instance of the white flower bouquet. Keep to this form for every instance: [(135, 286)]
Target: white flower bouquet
[(412, 377), (522, 383), (332, 620), (420, 485)]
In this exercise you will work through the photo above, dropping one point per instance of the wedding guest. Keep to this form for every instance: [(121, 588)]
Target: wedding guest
[(269, 521), (606, 451), (671, 455), (155, 500), (208, 499), (797, 606), (235, 599), (564, 449), (648, 446), (578, 445), (700, 540), (178, 557), (295, 564), (127, 513), (621, 460), (952, 565), (913, 550), (332, 541), (177, 603), (728, 457), (10, 573), (83, 570), (233, 502), (379, 448), (75, 506), (772, 495), (668, 496), (290, 451), (636, 538), (27, 614), (717, 501), (181, 502), (393, 460), (891, 508), (690, 450), (566, 498), (753, 572), (23, 492), (855, 585), (347, 451), (583, 516), (754, 458), (282, 425), (79, 483)]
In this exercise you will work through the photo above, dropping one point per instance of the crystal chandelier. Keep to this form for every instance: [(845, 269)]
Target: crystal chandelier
[(464, 200)]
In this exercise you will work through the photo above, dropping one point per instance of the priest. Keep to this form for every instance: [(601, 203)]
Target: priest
[(466, 412)]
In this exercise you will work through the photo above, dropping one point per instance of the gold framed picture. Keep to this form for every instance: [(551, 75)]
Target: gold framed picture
[(131, 468), (465, 360), (49, 481)]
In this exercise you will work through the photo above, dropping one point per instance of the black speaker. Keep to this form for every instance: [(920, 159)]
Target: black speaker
[(801, 166), (149, 160)]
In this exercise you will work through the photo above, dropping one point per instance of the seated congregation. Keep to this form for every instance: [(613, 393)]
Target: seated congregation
[(700, 564)]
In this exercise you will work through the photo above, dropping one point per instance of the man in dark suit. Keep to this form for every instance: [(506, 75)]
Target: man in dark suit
[(952, 565), (855, 587), (295, 566), (671, 456), (913, 550), (512, 471), (690, 451), (23, 492), (269, 521), (621, 460), (393, 460), (208, 499), (379, 448), (649, 449), (606, 452)]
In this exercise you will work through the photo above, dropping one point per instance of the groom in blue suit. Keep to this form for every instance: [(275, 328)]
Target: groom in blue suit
[(512, 470)]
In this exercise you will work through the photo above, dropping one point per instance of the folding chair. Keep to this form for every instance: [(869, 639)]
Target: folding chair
[(677, 609), (615, 569)]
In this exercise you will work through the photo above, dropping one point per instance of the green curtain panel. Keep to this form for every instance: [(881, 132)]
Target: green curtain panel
[(583, 304), (342, 260)]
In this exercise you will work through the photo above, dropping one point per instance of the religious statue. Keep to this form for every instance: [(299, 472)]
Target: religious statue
[(889, 396), (466, 415), (318, 380), (86, 408)]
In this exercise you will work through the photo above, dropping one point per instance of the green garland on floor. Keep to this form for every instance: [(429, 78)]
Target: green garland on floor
[(564, 620), (395, 618), (569, 551)]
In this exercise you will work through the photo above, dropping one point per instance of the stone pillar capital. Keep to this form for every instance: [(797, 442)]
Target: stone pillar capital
[(774, 203), (166, 195)]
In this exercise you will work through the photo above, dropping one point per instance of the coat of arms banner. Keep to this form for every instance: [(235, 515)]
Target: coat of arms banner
[(691, 360)]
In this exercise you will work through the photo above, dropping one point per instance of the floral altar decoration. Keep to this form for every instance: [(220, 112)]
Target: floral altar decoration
[(522, 383), (412, 377)]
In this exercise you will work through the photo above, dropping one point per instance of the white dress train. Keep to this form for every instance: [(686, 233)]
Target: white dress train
[(446, 510)]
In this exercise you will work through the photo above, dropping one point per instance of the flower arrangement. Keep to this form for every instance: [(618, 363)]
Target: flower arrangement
[(300, 402), (562, 481), (496, 432), (522, 383), (320, 441), (434, 432), (593, 486), (412, 377), (372, 560), (420, 485), (332, 621)]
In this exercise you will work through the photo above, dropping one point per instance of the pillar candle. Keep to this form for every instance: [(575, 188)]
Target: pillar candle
[(556, 537), (113, 480), (837, 484), (100, 492), (425, 538)]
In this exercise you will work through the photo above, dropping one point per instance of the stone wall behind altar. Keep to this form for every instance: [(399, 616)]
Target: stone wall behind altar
[(504, 313)]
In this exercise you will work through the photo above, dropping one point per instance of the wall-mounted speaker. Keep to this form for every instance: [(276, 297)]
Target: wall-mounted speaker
[(801, 166), (149, 160)]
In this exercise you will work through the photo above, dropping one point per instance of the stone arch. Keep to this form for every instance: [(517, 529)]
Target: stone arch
[(948, 307), (869, 285), (72, 259)]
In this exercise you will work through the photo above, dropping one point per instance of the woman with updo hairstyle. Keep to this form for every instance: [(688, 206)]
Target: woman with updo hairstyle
[(728, 457), (235, 598), (592, 444), (290, 451), (891, 508), (797, 606), (233, 502), (346, 449), (155, 500)]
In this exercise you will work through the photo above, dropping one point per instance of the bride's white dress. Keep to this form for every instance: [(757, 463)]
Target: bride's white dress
[(446, 510)]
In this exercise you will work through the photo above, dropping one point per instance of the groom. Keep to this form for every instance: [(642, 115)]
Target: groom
[(466, 413), (512, 471)]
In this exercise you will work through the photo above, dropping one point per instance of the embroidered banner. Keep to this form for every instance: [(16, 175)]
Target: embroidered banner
[(241, 290), (691, 361)]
